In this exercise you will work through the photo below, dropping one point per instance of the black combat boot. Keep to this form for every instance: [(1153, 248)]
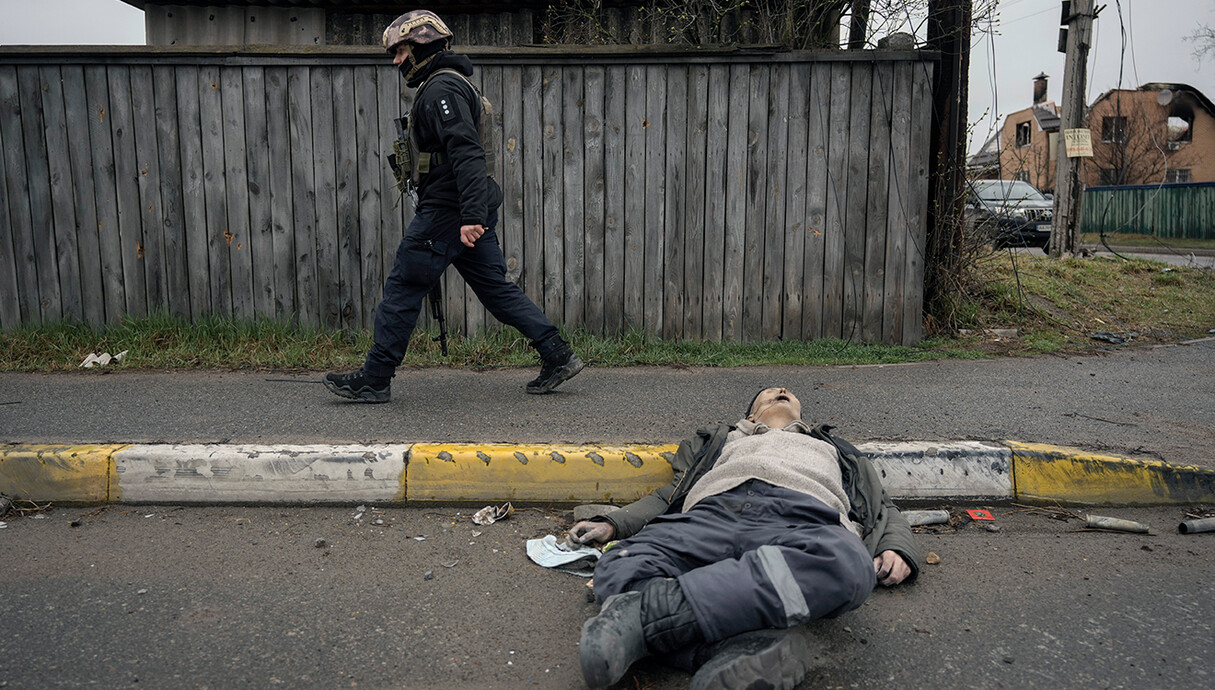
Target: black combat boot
[(768, 659), (360, 387), (634, 625), (559, 366)]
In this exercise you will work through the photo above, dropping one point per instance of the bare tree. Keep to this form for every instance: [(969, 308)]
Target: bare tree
[(1203, 39)]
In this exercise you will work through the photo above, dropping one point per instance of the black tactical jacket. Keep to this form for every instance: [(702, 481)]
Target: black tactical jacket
[(883, 527), (445, 116)]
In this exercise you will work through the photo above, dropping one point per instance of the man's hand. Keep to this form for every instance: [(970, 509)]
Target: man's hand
[(592, 531), (469, 234), (890, 567)]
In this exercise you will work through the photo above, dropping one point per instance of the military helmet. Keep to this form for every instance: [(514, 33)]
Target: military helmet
[(419, 27)]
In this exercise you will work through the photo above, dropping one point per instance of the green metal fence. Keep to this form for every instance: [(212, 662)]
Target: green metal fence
[(1184, 211)]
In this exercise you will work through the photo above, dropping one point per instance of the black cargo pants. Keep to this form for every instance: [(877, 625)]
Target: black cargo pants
[(431, 243)]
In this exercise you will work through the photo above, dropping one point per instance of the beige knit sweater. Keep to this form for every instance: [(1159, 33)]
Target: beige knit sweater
[(788, 458)]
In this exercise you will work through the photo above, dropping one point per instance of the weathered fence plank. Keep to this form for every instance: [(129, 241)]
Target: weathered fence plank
[(873, 272), (837, 170), (126, 173), (818, 181), (634, 197), (345, 150), (615, 92), (532, 145), (509, 109), (705, 197), (38, 182), (573, 198), (736, 203), (655, 199), (897, 205), (857, 200), (773, 221), (281, 264), (796, 226), (367, 277), (20, 227), (670, 277), (324, 157), (919, 141), (258, 164), (147, 164), (554, 197), (194, 208), (105, 189), (693, 250), (593, 197), (219, 231), (715, 206), (303, 194), (63, 205), (81, 160), (754, 247)]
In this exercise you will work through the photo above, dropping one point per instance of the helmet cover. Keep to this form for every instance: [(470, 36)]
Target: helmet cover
[(419, 27)]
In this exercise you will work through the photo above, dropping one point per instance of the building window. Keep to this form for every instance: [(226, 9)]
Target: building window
[(1113, 129), (1109, 176), (1176, 175), (1023, 176), (1023, 135)]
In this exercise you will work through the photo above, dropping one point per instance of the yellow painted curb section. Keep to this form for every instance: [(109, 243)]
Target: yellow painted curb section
[(558, 473), (1057, 473), (73, 474)]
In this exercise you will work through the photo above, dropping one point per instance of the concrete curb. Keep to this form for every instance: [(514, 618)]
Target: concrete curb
[(489, 473)]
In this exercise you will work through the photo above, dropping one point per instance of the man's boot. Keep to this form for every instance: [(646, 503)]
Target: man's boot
[(770, 659), (360, 387), (558, 367), (634, 625)]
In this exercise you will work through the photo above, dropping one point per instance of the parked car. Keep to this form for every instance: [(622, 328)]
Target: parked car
[(1009, 213)]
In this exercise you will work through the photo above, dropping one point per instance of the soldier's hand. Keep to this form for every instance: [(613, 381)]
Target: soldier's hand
[(469, 234), (589, 531), (890, 567)]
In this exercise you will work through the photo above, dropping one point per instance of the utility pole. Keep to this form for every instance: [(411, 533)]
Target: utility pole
[(1078, 17), (949, 34)]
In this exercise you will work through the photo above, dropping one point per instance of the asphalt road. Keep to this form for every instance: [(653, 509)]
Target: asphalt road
[(220, 597), (1144, 402)]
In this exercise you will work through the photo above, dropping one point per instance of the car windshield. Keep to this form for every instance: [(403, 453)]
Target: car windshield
[(1007, 190)]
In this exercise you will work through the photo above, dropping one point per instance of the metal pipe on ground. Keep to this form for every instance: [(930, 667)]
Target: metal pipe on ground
[(1196, 526)]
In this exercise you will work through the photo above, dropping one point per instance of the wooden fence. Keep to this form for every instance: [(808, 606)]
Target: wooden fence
[(733, 196)]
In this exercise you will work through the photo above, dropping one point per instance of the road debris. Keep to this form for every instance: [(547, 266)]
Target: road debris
[(100, 360), (320, 543), (932, 558), (980, 514), (1197, 526), (917, 518), (491, 514), (428, 575), (1057, 512), (1101, 522), (549, 552)]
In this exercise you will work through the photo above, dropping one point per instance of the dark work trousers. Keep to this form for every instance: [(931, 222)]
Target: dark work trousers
[(431, 243), (757, 556)]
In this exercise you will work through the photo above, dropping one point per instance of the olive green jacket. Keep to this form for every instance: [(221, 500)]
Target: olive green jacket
[(883, 527)]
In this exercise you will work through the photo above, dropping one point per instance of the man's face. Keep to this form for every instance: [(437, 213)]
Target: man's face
[(403, 53), (772, 399)]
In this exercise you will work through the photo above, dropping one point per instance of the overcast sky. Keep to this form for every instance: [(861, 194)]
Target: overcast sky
[(1003, 64)]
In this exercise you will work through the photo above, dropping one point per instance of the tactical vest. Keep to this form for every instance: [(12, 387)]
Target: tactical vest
[(408, 163)]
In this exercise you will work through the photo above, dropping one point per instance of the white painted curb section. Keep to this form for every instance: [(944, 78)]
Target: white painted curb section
[(252, 473), (954, 469)]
